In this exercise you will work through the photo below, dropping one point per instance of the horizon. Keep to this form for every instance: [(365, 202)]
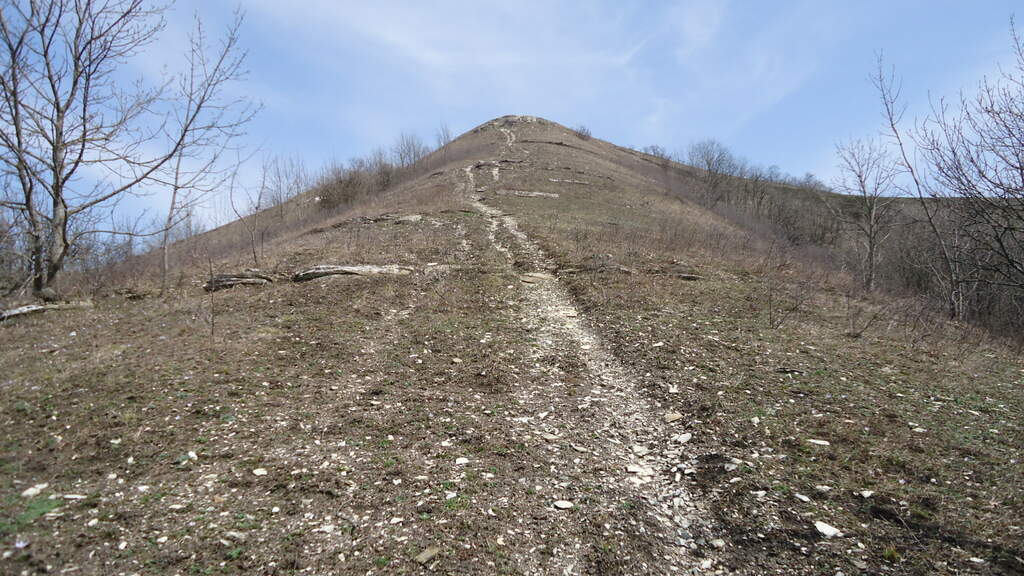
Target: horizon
[(778, 85)]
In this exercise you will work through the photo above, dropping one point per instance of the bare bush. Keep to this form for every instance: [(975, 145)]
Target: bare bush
[(582, 132)]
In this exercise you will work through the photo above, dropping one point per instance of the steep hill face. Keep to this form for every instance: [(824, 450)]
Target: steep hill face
[(529, 360)]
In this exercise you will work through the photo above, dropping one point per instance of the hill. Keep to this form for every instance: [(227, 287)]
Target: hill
[(546, 363)]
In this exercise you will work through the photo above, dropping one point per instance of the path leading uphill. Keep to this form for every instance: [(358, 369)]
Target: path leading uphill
[(620, 444)]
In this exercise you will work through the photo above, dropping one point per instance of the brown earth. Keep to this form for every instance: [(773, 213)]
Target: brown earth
[(580, 375)]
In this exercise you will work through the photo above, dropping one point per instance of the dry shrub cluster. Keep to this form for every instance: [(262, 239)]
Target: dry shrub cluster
[(805, 220)]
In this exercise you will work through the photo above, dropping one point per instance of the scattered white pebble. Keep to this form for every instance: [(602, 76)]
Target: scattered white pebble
[(34, 490), (260, 472), (683, 438), (563, 504), (826, 530)]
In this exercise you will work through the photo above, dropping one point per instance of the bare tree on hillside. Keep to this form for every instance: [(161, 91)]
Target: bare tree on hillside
[(286, 177), (660, 153), (756, 186), (950, 266), (379, 165), (716, 163), (74, 137), (444, 138), (249, 214), (408, 150), (867, 173), (976, 153), (196, 169)]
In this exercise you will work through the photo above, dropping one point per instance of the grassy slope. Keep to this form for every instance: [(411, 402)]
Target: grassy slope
[(356, 395)]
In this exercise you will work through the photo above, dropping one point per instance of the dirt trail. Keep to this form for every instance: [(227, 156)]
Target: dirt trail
[(622, 442)]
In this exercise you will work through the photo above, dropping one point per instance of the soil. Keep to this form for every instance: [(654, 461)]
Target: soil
[(505, 406)]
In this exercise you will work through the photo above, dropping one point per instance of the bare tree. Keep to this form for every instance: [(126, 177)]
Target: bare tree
[(287, 177), (196, 169), (380, 167), (249, 213), (444, 136), (756, 187), (74, 137), (949, 267), (662, 155), (866, 176), (975, 150), (408, 150), (716, 163)]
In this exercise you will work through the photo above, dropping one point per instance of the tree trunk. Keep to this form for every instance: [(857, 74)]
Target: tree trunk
[(165, 240), (59, 242)]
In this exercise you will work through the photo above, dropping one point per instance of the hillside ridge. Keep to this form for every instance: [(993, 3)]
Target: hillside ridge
[(525, 356)]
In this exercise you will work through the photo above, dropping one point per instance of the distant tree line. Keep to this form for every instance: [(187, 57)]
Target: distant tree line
[(933, 208)]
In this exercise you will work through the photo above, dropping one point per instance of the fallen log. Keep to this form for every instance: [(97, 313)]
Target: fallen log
[(33, 308), (526, 194), (247, 278), (354, 270)]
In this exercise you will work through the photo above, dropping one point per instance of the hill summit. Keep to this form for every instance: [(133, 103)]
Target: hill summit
[(534, 355)]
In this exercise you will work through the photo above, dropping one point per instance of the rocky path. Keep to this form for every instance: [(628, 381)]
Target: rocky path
[(605, 435)]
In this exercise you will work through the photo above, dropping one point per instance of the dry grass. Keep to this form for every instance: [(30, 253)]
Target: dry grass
[(922, 415), (356, 396)]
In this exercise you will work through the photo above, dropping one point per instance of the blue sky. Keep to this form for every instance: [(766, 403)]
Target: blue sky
[(777, 82)]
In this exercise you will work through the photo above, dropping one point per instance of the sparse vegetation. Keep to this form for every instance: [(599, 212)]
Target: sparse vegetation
[(531, 351)]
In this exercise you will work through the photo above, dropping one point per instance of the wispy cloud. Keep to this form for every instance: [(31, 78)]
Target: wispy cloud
[(340, 77)]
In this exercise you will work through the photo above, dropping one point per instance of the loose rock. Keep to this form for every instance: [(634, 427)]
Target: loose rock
[(427, 554), (826, 530)]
